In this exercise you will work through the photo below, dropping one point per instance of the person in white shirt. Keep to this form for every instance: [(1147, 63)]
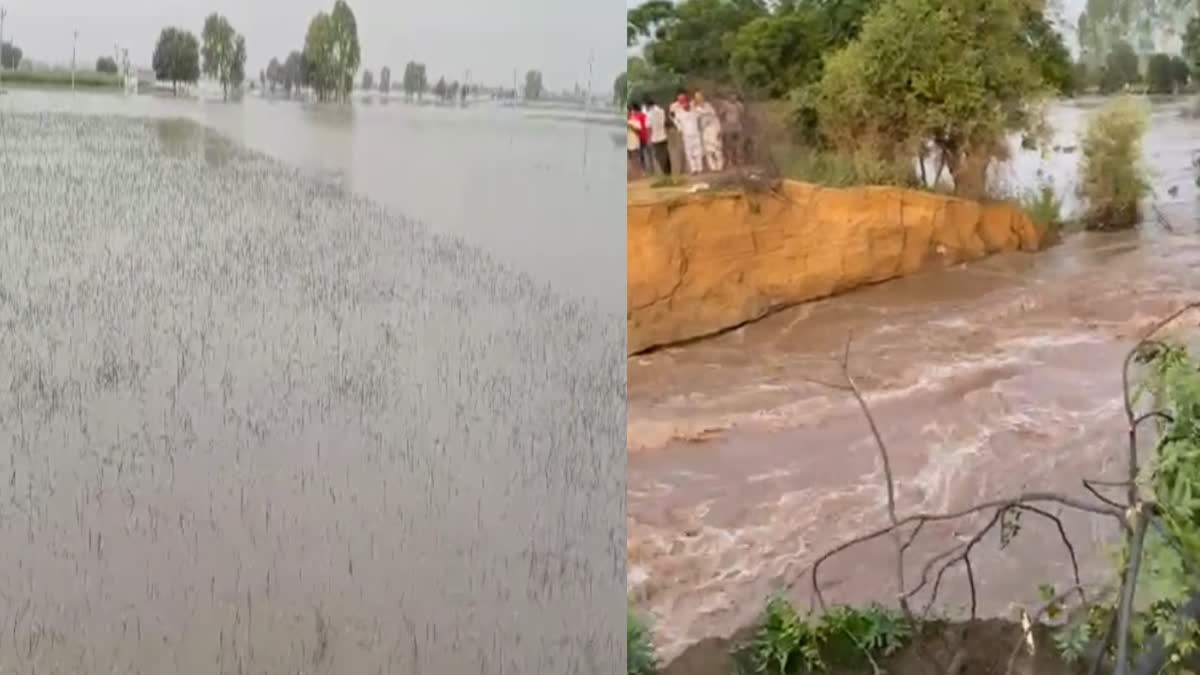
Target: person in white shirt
[(688, 123), (656, 118)]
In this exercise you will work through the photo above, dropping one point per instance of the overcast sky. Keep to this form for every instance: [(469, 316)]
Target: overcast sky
[(489, 37)]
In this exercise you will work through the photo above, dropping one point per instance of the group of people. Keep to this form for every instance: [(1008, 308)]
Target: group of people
[(702, 130)]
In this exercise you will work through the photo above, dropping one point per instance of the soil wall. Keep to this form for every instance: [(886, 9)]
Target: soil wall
[(701, 263)]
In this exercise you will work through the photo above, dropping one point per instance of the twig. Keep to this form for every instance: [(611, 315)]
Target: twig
[(1031, 620), (1129, 586), (1025, 498)]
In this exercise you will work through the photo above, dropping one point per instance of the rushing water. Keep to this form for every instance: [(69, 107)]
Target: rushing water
[(986, 380), (252, 422)]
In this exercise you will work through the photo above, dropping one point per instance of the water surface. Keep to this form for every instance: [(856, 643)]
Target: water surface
[(254, 422)]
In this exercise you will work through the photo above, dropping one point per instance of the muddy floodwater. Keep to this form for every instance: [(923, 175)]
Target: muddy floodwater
[(987, 379), (254, 422)]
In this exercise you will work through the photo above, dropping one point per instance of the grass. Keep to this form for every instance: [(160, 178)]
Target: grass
[(639, 647), (59, 78)]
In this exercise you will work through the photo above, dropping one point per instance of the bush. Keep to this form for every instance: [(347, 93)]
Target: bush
[(1112, 178), (840, 169), (1044, 208), (843, 637), (639, 648)]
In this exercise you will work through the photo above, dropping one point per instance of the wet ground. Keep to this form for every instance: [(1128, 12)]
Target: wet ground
[(986, 380), (251, 422)]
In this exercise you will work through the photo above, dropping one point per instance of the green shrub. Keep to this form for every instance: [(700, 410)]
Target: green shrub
[(843, 637), (60, 78), (1112, 178), (1044, 208), (639, 647)]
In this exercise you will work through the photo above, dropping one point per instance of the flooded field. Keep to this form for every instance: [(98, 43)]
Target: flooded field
[(540, 194), (253, 423), (986, 379)]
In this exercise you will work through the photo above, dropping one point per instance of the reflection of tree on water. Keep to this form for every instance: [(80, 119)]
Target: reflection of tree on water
[(185, 139), (178, 138)]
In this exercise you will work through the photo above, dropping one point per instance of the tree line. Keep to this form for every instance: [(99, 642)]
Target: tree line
[(326, 64)]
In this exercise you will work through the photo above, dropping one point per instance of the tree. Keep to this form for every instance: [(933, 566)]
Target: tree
[(777, 53), (697, 36), (927, 71), (452, 91), (106, 64), (346, 49), (1159, 79), (237, 69), (415, 82), (641, 21), (439, 89), (274, 73), (320, 67), (1191, 44), (1180, 73), (620, 90), (533, 85), (332, 53), (10, 55), (368, 79), (385, 79), (176, 57), (292, 72), (1050, 52), (224, 53), (1120, 68)]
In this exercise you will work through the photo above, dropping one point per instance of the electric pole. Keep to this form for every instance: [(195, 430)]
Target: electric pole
[(74, 40), (3, 13)]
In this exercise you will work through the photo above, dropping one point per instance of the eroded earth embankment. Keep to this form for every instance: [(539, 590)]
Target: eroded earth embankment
[(705, 262)]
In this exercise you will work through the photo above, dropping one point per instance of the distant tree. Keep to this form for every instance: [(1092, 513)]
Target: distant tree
[(292, 72), (176, 57), (533, 85), (106, 64), (620, 90), (262, 79), (439, 89), (1191, 44), (320, 60), (1158, 74), (274, 73), (415, 80), (224, 53), (1120, 68), (368, 79), (345, 42), (385, 79), (1180, 73), (452, 91), (10, 55), (462, 93)]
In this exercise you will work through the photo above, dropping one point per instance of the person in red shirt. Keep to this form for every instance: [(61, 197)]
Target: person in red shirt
[(638, 123)]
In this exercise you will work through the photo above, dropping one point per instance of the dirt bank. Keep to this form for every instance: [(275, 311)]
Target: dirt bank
[(701, 263)]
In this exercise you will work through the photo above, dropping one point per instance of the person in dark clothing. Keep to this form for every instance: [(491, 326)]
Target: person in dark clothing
[(656, 120)]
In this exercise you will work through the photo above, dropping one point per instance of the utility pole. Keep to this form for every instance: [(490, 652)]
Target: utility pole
[(74, 40), (3, 13)]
